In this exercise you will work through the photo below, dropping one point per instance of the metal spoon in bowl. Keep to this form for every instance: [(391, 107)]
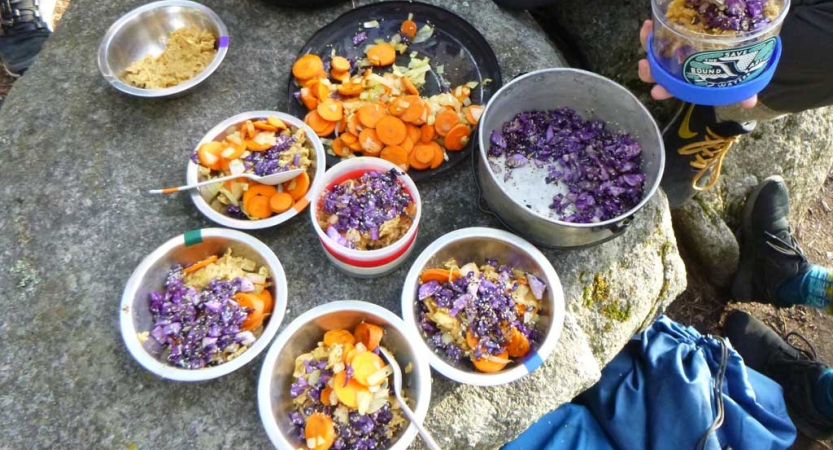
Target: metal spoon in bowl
[(275, 178), (397, 389)]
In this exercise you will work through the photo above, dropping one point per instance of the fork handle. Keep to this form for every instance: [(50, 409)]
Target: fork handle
[(429, 441)]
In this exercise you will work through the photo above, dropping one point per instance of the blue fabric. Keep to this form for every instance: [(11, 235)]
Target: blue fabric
[(823, 398), (657, 394), (812, 288)]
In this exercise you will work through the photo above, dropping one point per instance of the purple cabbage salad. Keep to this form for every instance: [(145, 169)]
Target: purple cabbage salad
[(196, 321), (600, 169), (369, 212), (730, 15), (371, 424), (488, 312)]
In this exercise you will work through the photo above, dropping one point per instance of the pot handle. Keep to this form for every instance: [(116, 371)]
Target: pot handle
[(481, 201), (622, 226)]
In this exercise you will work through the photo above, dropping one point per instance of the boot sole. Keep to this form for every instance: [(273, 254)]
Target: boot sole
[(808, 430), (742, 286)]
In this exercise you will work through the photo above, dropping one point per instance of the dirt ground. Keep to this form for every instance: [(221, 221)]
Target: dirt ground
[(704, 307)]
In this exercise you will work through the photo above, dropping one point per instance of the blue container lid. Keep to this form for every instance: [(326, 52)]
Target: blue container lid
[(712, 96)]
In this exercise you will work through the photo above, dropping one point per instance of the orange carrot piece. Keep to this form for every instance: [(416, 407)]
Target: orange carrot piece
[(322, 91), (381, 55), (369, 140), (408, 28), (275, 122), (350, 89), (445, 121), (256, 146), (518, 344), (355, 146), (340, 64), (369, 334), (370, 114), (280, 202), (340, 148), (258, 207), (263, 125), (424, 154), (439, 275), (331, 126), (457, 138), (461, 93), (353, 124), (391, 130), (200, 264), (256, 189), (340, 76), (439, 156), (398, 106), (473, 114), (308, 99), (321, 430), (415, 109), (209, 155), (472, 340), (339, 336), (316, 122), (348, 138), (268, 301), (414, 132), (396, 155), (297, 188), (307, 67), (407, 145), (348, 357), (326, 393), (366, 364), (347, 391), (426, 134), (413, 162), (409, 86), (330, 110), (255, 318), (247, 128), (486, 366)]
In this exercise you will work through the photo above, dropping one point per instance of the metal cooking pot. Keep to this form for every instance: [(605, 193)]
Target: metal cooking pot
[(592, 96)]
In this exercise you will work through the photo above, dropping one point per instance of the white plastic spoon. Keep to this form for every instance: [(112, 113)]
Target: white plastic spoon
[(397, 388), (275, 178)]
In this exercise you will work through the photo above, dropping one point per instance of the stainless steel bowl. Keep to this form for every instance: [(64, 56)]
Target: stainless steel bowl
[(594, 97), (188, 248), (476, 245), (303, 335), (145, 30)]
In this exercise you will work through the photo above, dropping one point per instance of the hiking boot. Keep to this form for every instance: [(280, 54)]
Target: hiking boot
[(22, 34), (796, 370), (769, 253), (695, 145)]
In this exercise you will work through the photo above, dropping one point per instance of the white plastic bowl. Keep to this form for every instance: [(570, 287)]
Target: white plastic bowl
[(193, 246), (316, 173), (371, 263)]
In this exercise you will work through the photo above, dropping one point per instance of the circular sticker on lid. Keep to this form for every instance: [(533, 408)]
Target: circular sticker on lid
[(729, 67)]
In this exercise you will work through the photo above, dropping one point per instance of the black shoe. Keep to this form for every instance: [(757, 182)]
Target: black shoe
[(22, 34), (695, 145), (769, 253), (796, 370)]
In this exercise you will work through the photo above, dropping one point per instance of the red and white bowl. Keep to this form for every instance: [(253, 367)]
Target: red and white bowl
[(361, 263)]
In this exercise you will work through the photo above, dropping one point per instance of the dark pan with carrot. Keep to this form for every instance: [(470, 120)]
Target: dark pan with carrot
[(407, 85)]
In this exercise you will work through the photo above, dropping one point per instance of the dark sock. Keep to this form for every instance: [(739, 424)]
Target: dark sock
[(823, 398), (812, 288)]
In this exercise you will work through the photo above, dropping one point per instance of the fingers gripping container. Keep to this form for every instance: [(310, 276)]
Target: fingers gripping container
[(365, 263), (715, 69)]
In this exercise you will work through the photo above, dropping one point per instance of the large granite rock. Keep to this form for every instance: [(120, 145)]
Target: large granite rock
[(76, 156), (799, 147)]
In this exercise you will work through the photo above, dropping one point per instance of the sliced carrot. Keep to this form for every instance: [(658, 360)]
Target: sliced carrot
[(347, 391), (409, 86), (370, 114), (275, 122), (398, 106), (355, 146), (322, 90), (350, 89), (321, 430), (439, 156), (457, 138), (473, 114), (297, 187), (331, 126), (366, 364), (414, 132), (407, 145), (486, 366), (381, 55), (396, 155), (247, 128), (200, 264), (369, 334), (518, 344), (340, 148), (408, 28), (268, 301), (316, 122), (258, 207), (424, 154), (439, 275), (391, 130), (472, 340), (426, 134), (353, 124), (348, 138), (414, 163), (263, 125), (345, 350), (257, 146), (209, 155), (341, 125), (330, 109), (326, 393), (339, 336), (255, 318), (415, 109), (461, 92), (369, 141), (348, 357), (307, 66), (280, 202), (255, 190), (340, 76), (340, 64), (308, 99), (445, 121)]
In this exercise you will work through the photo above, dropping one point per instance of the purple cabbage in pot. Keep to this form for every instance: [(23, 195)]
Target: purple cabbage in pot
[(731, 15), (600, 168)]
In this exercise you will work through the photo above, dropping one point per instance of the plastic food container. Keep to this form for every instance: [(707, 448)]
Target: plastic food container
[(713, 69), (361, 263), (315, 172), (475, 245), (135, 317), (303, 335)]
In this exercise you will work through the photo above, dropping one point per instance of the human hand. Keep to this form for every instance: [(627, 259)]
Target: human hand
[(658, 92)]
